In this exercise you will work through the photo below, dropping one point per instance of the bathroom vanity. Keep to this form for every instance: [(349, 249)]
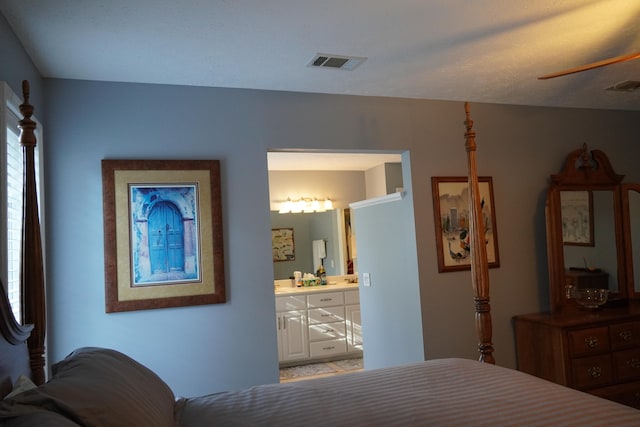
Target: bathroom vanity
[(317, 322)]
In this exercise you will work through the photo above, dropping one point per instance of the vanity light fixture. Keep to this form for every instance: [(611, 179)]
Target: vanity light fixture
[(305, 205)]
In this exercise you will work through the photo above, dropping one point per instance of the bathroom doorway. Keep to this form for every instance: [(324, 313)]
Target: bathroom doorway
[(342, 178)]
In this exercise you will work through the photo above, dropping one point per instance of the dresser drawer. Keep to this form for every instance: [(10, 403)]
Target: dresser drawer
[(625, 335), (324, 331), (328, 348), (326, 299), (627, 394), (591, 371), (588, 341), (326, 315), (626, 365)]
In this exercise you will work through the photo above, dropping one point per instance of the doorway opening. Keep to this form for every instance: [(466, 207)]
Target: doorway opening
[(343, 178)]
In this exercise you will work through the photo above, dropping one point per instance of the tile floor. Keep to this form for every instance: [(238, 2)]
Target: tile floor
[(317, 370)]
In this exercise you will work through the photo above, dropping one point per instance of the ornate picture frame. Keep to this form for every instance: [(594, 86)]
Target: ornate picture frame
[(162, 234), (451, 214)]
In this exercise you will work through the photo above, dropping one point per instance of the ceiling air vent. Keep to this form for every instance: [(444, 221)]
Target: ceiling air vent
[(336, 62), (626, 86)]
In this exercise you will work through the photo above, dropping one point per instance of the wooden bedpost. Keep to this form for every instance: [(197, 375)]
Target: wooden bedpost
[(479, 262), (32, 270)]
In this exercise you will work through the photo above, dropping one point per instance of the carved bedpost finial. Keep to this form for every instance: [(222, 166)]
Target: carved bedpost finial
[(27, 125), (470, 134), (25, 91)]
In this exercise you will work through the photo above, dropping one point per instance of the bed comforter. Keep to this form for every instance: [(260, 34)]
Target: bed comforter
[(446, 392), (104, 388)]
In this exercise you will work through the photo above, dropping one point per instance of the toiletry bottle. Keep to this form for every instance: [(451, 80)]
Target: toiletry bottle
[(322, 275)]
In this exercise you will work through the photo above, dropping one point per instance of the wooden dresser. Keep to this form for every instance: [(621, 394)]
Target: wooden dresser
[(594, 351)]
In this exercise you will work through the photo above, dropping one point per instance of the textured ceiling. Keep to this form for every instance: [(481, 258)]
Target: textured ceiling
[(478, 51)]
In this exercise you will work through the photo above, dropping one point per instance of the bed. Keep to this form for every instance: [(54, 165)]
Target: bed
[(103, 387)]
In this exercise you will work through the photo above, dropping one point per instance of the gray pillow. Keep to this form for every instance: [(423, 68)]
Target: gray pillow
[(22, 384), (39, 418), (99, 387)]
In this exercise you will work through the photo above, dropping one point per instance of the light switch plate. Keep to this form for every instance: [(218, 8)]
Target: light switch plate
[(366, 279)]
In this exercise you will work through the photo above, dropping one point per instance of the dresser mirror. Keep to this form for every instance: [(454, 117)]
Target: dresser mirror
[(585, 223), (589, 236), (631, 204)]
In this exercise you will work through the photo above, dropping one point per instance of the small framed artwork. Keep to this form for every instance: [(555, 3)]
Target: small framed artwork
[(282, 244), (577, 218), (162, 234), (451, 217)]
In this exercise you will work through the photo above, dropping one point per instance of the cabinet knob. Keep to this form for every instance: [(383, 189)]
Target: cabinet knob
[(626, 335), (591, 342), (634, 363), (595, 372)]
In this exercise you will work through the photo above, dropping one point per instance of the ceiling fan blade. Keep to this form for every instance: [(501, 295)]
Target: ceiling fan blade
[(591, 66)]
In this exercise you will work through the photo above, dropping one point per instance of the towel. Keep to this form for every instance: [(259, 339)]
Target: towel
[(319, 252)]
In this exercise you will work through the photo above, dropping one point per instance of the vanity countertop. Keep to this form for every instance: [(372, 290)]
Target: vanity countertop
[(338, 286)]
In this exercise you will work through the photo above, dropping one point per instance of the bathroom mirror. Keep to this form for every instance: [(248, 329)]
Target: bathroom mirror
[(585, 221), (334, 227)]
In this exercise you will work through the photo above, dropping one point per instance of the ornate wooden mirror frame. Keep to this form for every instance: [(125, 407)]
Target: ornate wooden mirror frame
[(589, 176)]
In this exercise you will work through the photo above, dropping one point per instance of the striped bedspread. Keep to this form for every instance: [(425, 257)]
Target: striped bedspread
[(444, 392)]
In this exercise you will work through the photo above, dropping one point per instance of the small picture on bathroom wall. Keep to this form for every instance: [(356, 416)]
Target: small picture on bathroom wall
[(282, 244)]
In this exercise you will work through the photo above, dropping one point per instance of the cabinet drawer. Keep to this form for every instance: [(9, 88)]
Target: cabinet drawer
[(351, 297), (328, 348), (324, 331), (626, 365), (326, 299), (591, 371), (292, 302), (588, 341), (625, 335), (326, 315)]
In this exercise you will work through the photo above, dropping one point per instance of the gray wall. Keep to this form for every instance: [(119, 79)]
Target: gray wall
[(392, 329), (209, 348), (17, 66)]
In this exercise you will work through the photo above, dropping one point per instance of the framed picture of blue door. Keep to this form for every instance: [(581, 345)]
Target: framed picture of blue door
[(163, 233)]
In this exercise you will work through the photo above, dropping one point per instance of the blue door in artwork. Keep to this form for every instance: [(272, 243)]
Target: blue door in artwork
[(166, 238)]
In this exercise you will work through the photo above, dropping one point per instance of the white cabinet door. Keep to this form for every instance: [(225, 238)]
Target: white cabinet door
[(293, 343), (354, 328)]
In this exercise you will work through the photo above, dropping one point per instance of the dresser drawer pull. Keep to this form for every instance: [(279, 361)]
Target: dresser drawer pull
[(329, 348), (626, 335), (327, 331), (634, 363), (595, 372), (326, 299), (591, 342)]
